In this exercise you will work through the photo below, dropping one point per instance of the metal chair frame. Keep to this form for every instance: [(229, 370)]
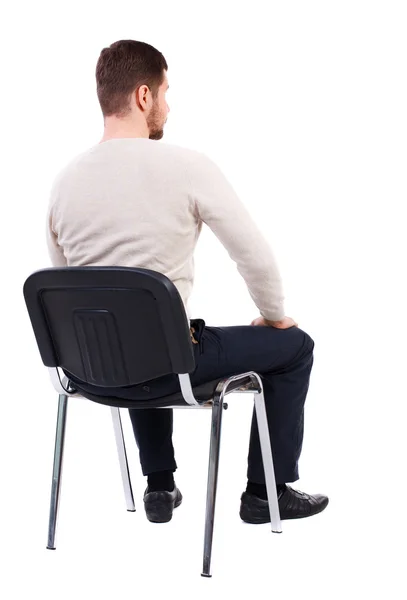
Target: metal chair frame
[(64, 389)]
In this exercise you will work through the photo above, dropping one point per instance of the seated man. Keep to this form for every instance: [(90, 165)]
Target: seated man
[(131, 201)]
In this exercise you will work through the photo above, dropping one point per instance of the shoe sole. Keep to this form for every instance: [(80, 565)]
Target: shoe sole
[(158, 511), (256, 519)]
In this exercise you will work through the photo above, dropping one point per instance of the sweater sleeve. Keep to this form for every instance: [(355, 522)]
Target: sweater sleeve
[(217, 205), (55, 251)]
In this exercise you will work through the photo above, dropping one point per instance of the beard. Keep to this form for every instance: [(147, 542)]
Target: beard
[(154, 123), (156, 135)]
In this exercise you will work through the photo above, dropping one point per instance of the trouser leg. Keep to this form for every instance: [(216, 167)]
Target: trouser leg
[(284, 360), (285, 393), (153, 429)]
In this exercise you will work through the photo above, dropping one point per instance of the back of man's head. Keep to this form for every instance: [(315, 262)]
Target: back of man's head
[(121, 69)]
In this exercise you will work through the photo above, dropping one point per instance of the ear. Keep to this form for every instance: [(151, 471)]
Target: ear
[(143, 94)]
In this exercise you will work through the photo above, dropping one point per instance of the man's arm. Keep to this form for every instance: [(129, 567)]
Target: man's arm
[(218, 205), (54, 249)]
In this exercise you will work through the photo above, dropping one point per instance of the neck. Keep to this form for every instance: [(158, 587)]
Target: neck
[(116, 128)]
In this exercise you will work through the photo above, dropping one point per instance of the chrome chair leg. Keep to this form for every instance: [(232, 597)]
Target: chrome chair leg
[(217, 411), (267, 456), (57, 469), (121, 450)]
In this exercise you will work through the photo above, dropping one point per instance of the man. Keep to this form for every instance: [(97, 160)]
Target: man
[(129, 201)]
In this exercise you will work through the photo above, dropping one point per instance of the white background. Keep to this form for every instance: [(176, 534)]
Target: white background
[(303, 106)]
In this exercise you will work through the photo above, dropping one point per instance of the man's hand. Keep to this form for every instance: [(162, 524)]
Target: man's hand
[(285, 323)]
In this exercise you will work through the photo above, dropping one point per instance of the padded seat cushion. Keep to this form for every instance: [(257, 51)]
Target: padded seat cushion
[(203, 393)]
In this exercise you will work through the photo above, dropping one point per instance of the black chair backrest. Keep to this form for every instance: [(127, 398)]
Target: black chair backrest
[(109, 326)]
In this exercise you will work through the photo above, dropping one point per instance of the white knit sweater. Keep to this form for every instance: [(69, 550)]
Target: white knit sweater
[(136, 202)]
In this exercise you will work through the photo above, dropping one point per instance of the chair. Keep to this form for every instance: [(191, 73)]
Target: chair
[(120, 326)]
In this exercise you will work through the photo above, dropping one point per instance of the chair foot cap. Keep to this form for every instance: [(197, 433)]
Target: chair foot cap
[(51, 548), (205, 575)]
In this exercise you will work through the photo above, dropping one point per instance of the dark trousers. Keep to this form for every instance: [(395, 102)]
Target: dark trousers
[(283, 359)]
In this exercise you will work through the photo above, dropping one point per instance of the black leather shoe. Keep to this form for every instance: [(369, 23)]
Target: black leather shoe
[(292, 504), (159, 505)]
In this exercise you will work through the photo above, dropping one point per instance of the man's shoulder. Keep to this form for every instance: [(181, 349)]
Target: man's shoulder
[(158, 148), (177, 154), (197, 161), (69, 166), (185, 152)]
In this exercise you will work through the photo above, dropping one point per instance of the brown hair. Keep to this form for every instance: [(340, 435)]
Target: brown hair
[(124, 67)]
